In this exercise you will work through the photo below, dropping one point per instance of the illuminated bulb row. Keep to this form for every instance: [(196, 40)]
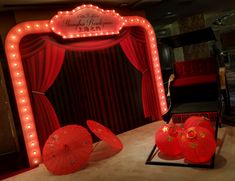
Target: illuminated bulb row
[(154, 53), (157, 70), (19, 84), (86, 34)]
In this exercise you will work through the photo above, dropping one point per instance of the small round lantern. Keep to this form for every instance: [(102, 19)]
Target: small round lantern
[(198, 144), (166, 139), (194, 121)]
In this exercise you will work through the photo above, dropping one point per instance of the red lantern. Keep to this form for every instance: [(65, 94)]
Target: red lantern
[(194, 121), (166, 139), (198, 144)]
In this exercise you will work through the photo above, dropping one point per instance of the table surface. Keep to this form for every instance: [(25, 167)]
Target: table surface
[(129, 164)]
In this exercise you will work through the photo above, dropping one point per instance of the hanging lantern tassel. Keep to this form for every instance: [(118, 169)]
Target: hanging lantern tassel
[(198, 144), (166, 139)]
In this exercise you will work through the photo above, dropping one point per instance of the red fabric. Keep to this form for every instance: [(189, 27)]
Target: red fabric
[(192, 68), (198, 144), (67, 150), (196, 80), (204, 122), (133, 43), (100, 85), (105, 134), (41, 69), (135, 49), (43, 58), (166, 139)]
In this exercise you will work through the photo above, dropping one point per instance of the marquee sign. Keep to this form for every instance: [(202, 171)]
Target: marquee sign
[(84, 21), (87, 20)]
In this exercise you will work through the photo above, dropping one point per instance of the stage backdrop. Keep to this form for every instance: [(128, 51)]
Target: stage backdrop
[(105, 79)]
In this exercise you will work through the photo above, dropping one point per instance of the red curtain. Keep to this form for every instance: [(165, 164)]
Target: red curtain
[(133, 43), (41, 68), (135, 49), (101, 85), (43, 58)]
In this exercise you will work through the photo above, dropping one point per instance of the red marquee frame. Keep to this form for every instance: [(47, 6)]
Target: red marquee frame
[(84, 21)]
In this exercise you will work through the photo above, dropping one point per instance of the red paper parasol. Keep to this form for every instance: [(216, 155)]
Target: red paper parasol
[(67, 149), (105, 134), (166, 139), (198, 144), (194, 121)]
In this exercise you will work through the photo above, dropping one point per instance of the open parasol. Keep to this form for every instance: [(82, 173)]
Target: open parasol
[(67, 149), (166, 139), (104, 134), (198, 144)]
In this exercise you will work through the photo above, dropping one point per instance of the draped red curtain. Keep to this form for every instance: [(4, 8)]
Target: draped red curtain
[(42, 66), (43, 57), (135, 49), (101, 85)]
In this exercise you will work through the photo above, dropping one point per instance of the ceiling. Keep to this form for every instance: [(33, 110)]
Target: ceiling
[(157, 11)]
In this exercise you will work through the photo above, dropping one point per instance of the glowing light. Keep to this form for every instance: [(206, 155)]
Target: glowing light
[(165, 129), (25, 109)]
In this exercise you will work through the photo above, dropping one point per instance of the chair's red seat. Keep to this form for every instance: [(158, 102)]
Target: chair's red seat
[(195, 80)]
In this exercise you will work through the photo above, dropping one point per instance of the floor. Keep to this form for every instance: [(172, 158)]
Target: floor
[(129, 164)]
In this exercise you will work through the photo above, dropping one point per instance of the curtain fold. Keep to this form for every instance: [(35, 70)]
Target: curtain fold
[(135, 49), (41, 69), (101, 85), (43, 56)]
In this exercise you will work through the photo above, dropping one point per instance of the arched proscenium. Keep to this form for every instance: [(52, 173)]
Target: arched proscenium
[(44, 26)]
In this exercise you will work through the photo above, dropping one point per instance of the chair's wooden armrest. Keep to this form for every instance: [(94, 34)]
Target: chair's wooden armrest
[(222, 74), (171, 78)]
